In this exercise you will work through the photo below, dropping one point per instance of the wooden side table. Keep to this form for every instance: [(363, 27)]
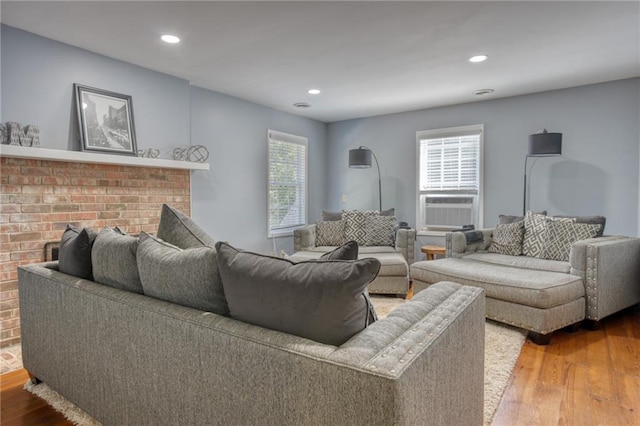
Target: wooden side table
[(431, 251)]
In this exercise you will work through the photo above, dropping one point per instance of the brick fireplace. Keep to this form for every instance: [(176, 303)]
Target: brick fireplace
[(39, 198)]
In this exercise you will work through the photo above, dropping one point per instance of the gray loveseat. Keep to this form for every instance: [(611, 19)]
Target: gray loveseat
[(602, 276), (126, 358), (394, 256)]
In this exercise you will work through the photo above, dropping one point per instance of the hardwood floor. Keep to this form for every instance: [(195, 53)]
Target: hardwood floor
[(585, 378)]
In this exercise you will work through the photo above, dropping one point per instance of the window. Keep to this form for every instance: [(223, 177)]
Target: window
[(287, 192), (449, 193)]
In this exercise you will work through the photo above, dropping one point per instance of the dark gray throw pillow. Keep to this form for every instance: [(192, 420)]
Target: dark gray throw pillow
[(113, 258), (180, 230), (321, 300), (347, 251), (505, 218), (601, 221), (74, 256), (186, 277)]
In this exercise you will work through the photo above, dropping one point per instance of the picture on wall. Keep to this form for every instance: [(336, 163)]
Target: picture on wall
[(106, 121)]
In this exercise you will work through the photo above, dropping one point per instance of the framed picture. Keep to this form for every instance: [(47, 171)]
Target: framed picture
[(106, 121)]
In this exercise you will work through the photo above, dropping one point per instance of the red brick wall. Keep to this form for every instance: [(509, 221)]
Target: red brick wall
[(40, 197)]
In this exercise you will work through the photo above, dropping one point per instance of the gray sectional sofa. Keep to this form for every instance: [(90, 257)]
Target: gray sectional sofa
[(180, 329), (395, 257), (602, 276), (126, 358)]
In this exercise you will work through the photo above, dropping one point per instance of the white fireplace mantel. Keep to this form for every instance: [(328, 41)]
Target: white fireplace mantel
[(31, 153)]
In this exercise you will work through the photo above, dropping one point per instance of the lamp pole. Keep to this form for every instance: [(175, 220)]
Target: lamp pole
[(379, 178)]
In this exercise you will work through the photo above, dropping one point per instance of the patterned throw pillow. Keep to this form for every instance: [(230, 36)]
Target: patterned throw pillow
[(562, 234), (379, 230), (355, 223), (535, 233), (330, 233), (507, 239)]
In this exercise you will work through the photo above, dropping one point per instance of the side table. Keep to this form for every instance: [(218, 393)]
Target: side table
[(431, 251)]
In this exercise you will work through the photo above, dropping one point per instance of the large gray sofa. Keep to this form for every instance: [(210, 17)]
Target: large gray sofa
[(126, 358), (394, 259), (601, 277)]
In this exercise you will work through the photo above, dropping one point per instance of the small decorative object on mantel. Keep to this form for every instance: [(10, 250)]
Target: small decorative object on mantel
[(194, 153), (14, 134), (106, 121), (149, 153)]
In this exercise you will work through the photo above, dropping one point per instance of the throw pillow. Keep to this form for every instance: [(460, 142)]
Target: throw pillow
[(74, 256), (347, 251), (379, 230), (330, 233), (507, 239), (180, 230), (186, 277), (593, 220), (321, 300), (535, 233), (113, 259), (355, 222), (331, 216), (562, 234), (505, 218)]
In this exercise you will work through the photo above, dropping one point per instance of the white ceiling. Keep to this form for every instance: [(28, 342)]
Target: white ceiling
[(368, 58)]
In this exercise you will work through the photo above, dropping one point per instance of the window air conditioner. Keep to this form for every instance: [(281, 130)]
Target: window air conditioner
[(449, 212)]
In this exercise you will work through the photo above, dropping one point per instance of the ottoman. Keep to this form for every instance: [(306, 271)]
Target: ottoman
[(538, 301)]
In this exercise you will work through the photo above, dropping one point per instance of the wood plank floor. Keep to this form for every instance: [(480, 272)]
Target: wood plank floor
[(585, 378)]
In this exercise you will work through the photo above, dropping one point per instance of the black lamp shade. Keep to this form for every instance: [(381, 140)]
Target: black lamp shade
[(544, 144), (360, 158)]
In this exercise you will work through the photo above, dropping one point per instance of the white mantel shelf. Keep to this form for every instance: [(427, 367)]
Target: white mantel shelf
[(30, 153)]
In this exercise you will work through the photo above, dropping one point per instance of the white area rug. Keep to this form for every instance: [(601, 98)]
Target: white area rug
[(502, 347)]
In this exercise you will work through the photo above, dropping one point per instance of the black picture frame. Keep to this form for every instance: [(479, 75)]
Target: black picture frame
[(106, 121)]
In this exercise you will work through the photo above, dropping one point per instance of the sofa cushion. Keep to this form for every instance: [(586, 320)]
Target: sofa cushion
[(113, 259), (180, 230), (391, 264), (74, 256), (525, 262), (347, 251), (379, 230), (322, 300), (535, 233), (330, 233), (186, 277), (356, 225), (507, 239), (538, 289), (561, 235)]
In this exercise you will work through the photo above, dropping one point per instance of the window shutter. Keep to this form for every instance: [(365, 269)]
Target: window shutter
[(450, 163), (287, 193)]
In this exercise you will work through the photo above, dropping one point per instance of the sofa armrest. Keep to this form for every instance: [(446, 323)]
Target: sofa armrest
[(456, 243), (610, 269), (304, 238), (405, 244)]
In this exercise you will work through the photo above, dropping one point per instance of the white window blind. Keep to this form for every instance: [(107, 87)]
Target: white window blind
[(450, 163), (287, 192)]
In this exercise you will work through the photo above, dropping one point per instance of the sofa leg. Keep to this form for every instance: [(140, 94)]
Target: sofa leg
[(540, 339), (34, 379), (592, 325), (572, 328)]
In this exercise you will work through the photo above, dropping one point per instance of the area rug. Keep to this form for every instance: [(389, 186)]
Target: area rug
[(502, 347)]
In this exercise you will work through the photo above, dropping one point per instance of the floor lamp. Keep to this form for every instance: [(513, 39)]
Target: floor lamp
[(541, 144), (360, 158)]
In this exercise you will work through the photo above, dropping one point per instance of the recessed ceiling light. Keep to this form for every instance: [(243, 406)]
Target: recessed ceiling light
[(483, 92), (478, 58), (302, 105), (168, 38), (313, 91)]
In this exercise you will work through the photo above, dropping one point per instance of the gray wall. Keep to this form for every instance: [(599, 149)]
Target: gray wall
[(230, 200), (37, 88), (597, 173)]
